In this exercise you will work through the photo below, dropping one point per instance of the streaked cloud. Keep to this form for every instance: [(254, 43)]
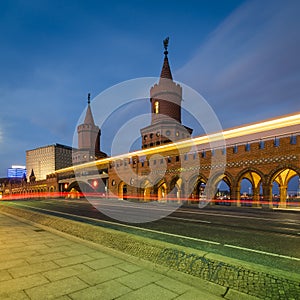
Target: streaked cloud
[(249, 67)]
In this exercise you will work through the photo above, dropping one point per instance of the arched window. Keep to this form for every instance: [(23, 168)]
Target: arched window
[(156, 107)]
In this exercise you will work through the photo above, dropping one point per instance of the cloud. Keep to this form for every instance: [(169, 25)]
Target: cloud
[(249, 68)]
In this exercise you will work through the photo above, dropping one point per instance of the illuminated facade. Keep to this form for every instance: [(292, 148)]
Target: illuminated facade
[(46, 160)]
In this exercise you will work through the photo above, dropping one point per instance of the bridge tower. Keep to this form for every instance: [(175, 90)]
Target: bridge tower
[(88, 139), (165, 99)]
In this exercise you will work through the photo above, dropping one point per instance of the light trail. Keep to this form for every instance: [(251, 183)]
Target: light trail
[(260, 127), (167, 234)]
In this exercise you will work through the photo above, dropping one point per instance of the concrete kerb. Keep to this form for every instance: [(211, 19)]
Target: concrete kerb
[(165, 258)]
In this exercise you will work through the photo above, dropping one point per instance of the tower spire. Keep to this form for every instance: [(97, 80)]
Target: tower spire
[(89, 116), (166, 70)]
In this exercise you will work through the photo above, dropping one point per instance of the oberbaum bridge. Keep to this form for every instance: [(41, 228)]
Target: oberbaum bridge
[(173, 166)]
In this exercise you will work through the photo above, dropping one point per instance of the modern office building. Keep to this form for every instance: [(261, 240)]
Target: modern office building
[(47, 159)]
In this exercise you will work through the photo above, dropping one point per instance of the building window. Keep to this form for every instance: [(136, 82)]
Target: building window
[(212, 152), (142, 164), (194, 155), (156, 107), (169, 159), (168, 133), (151, 135), (177, 133), (247, 147), (276, 142), (161, 160), (235, 149), (154, 162), (261, 144), (224, 151), (145, 137), (203, 154), (293, 140), (177, 158), (113, 182), (185, 157)]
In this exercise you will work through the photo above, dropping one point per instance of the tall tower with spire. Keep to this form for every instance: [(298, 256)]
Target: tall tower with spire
[(88, 139), (165, 99)]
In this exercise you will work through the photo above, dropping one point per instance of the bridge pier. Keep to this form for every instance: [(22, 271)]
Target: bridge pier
[(283, 196), (255, 202), (267, 196)]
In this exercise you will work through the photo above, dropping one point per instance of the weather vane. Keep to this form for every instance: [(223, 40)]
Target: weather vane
[(166, 44)]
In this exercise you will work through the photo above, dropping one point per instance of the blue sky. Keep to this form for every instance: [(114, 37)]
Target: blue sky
[(242, 56)]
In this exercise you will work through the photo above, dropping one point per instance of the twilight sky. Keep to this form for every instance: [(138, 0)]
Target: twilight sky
[(241, 56)]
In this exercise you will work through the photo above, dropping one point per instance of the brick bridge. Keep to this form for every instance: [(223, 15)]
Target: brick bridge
[(264, 153)]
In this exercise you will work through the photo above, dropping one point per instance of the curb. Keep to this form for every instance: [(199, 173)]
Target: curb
[(227, 277)]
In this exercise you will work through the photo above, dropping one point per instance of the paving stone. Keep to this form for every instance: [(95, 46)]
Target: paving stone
[(73, 260), (103, 263), (139, 279), (4, 275), (150, 292), (104, 291), (18, 284), (65, 272), (233, 295), (32, 269), (128, 267), (21, 254), (12, 263), (47, 250), (56, 289), (199, 295), (16, 245), (173, 285), (45, 257), (14, 296), (102, 275), (97, 254)]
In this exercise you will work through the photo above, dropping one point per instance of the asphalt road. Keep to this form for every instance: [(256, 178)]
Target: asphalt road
[(267, 237)]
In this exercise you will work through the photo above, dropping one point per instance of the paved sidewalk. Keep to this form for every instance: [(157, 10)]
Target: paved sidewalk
[(39, 264)]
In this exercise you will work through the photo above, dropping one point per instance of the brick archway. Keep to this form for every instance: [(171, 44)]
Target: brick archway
[(281, 175)]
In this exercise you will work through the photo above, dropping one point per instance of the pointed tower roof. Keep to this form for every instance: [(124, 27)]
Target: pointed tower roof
[(166, 70), (89, 116)]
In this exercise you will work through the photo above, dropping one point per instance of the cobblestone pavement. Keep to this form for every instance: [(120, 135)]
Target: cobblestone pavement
[(39, 264)]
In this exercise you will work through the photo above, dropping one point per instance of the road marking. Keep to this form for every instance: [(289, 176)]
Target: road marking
[(190, 220), (128, 226), (168, 234), (262, 252)]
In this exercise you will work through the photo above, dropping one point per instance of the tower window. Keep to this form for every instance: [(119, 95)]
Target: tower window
[(156, 107)]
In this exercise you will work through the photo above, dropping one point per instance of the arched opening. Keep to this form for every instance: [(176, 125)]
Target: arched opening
[(176, 187), (222, 196), (285, 188), (146, 190), (162, 192), (122, 191), (198, 192), (249, 189)]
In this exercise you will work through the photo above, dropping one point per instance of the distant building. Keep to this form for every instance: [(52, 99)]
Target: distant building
[(46, 160), (16, 172)]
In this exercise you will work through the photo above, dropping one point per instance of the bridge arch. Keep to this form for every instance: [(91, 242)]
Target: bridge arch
[(281, 176), (257, 181), (216, 180), (176, 188), (197, 185)]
